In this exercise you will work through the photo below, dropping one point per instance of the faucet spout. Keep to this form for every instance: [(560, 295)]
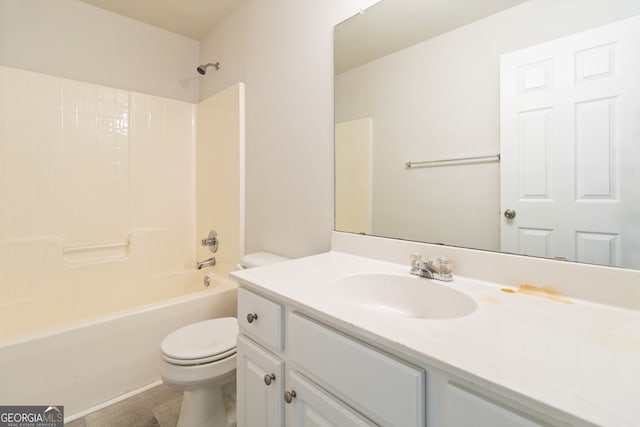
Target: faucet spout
[(206, 263), (429, 270)]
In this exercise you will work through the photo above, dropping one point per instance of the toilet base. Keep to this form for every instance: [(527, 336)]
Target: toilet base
[(203, 407)]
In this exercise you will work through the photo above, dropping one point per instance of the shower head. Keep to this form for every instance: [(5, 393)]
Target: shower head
[(202, 69)]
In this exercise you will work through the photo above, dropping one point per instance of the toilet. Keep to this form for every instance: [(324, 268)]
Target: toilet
[(201, 357)]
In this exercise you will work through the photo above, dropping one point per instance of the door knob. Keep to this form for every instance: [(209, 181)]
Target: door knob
[(509, 214), (251, 317)]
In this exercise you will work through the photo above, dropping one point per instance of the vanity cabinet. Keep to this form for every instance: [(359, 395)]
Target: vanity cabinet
[(330, 379), (262, 397), (294, 371)]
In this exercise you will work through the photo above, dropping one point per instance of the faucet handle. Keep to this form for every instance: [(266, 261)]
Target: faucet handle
[(211, 241), (416, 262), (444, 266)]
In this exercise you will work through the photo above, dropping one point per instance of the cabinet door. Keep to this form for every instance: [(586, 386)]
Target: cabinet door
[(312, 407), (259, 404), (466, 409)]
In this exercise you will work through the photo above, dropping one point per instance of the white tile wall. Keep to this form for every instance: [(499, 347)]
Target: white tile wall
[(162, 174), (17, 283), (95, 164), (82, 164)]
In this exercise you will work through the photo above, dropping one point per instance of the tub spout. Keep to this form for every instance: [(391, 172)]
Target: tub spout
[(206, 263)]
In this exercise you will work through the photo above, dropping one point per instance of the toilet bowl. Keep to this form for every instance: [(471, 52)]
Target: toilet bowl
[(201, 357)]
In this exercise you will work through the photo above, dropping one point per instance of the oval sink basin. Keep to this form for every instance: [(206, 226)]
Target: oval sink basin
[(405, 296)]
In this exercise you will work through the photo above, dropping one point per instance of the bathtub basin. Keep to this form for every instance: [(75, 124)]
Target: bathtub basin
[(405, 296)]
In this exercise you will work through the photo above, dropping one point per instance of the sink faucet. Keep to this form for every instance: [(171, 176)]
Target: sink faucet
[(429, 270), (206, 263)]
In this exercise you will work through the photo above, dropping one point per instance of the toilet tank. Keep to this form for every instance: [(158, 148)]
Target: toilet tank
[(259, 259)]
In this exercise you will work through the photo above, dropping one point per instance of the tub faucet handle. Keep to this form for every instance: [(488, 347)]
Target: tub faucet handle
[(211, 241)]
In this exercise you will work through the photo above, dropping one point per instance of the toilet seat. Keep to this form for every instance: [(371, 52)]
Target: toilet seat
[(202, 342)]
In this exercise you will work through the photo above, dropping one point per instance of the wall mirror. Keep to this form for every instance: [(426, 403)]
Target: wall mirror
[(502, 125)]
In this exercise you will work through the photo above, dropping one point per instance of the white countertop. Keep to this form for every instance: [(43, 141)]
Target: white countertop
[(580, 357)]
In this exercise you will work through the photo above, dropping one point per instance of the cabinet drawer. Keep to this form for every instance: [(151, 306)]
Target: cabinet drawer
[(260, 318), (390, 392)]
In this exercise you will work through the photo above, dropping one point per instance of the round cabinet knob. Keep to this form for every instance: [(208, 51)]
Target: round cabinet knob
[(509, 214), (251, 317), (289, 396), (268, 378)]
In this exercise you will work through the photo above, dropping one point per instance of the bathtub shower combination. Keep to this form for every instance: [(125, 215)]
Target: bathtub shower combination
[(103, 201)]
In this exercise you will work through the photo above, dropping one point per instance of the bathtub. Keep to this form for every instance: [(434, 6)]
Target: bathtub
[(84, 364)]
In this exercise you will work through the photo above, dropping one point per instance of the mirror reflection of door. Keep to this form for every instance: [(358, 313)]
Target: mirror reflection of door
[(568, 135), (353, 176)]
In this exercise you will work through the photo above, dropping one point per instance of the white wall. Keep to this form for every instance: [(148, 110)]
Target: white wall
[(289, 82), (225, 43), (440, 99), (71, 39)]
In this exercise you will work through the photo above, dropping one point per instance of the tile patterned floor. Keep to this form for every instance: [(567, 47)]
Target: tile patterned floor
[(156, 407)]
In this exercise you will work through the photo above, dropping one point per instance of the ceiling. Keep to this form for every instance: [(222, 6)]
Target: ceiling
[(358, 40), (191, 18), (374, 33)]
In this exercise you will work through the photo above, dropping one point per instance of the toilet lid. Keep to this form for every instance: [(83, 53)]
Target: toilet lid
[(202, 340)]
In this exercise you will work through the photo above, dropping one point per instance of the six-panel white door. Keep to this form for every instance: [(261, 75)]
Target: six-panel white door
[(570, 147)]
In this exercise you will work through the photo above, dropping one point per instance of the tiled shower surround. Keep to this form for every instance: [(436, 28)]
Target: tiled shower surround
[(96, 193)]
